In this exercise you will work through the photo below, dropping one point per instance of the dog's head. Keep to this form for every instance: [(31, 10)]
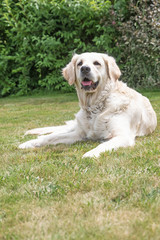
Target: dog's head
[(90, 70)]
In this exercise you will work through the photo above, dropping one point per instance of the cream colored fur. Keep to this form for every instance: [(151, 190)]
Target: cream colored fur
[(112, 113)]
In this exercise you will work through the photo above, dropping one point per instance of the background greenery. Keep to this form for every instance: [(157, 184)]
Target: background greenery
[(38, 38)]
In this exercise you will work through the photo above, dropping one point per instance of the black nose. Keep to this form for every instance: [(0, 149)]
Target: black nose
[(85, 69)]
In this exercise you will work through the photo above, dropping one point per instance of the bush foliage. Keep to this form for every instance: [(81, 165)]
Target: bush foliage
[(38, 38), (140, 35)]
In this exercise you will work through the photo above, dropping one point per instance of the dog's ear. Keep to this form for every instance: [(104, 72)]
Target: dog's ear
[(69, 71), (113, 70)]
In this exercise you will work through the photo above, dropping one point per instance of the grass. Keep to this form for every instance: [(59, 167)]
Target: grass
[(52, 193)]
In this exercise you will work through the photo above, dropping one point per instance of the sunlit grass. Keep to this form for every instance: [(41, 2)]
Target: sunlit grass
[(52, 193)]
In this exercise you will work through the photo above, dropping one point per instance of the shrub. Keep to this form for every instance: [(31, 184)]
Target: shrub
[(139, 42), (41, 36), (38, 38)]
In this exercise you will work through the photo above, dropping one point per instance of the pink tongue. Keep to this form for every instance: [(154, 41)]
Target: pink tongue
[(86, 83)]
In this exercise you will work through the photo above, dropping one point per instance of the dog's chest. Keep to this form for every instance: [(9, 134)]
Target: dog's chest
[(92, 124), (93, 130)]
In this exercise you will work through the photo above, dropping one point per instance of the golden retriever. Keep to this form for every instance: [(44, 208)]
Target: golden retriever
[(109, 110)]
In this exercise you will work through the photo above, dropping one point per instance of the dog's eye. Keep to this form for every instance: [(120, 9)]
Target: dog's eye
[(97, 63), (80, 64)]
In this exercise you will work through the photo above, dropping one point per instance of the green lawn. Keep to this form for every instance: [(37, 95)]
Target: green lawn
[(52, 193)]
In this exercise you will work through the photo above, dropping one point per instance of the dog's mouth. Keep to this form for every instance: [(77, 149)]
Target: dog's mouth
[(89, 85)]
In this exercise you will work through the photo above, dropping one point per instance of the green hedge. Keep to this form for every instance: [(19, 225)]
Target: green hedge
[(38, 38)]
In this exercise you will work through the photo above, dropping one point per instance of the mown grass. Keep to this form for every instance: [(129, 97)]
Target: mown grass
[(52, 193)]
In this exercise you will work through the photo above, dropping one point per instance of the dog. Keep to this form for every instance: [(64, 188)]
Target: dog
[(110, 112)]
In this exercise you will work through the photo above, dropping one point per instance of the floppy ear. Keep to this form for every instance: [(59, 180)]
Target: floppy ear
[(69, 71), (113, 70)]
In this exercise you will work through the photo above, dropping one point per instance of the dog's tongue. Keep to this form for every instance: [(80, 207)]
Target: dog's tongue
[(86, 83)]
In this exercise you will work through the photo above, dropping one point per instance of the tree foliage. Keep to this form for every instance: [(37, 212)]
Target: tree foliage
[(38, 38)]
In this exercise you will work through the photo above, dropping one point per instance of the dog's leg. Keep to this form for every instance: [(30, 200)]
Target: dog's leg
[(56, 129), (113, 144), (53, 139)]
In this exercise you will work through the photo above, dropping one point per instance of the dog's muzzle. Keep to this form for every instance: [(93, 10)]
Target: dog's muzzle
[(87, 83)]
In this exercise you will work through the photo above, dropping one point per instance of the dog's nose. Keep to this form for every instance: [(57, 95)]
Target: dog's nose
[(85, 69)]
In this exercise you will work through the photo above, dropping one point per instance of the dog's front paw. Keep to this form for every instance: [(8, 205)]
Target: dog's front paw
[(92, 154), (30, 144)]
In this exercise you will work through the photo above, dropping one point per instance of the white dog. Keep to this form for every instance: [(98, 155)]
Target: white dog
[(109, 110)]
